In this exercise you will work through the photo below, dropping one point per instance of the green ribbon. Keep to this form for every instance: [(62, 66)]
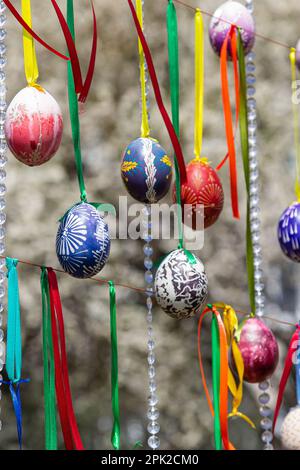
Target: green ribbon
[(216, 381), (243, 121), (49, 368), (14, 341), (73, 109), (115, 435), (172, 29)]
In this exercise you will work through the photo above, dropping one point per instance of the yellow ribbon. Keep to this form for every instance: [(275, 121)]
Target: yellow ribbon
[(145, 128), (199, 81), (30, 62), (296, 121), (202, 160), (231, 324)]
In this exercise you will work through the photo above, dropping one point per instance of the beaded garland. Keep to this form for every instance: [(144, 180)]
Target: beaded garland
[(255, 227), (3, 161), (82, 242), (146, 170)]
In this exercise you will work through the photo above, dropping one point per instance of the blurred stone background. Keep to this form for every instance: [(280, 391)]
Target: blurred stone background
[(38, 197)]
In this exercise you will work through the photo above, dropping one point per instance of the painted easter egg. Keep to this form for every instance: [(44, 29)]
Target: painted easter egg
[(290, 430), (259, 350), (298, 54), (146, 170), (33, 126), (202, 187), (289, 232), (181, 288), (82, 242), (233, 13)]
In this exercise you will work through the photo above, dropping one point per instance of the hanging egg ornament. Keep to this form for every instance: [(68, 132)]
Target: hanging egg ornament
[(259, 350), (298, 54), (289, 232), (146, 170), (181, 288), (202, 187), (33, 126), (82, 242), (290, 430), (231, 13)]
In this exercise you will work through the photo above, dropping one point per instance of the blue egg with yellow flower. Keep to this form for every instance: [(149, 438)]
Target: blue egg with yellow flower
[(146, 170)]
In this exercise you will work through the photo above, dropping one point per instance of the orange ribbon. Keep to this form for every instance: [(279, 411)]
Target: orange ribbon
[(223, 375), (231, 36)]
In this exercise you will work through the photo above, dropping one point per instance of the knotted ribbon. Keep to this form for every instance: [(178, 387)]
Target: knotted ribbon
[(115, 435), (231, 325), (49, 369), (218, 409), (68, 422), (291, 358), (14, 344)]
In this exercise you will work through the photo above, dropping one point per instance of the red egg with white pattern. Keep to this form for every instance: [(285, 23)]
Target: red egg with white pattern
[(33, 126), (202, 187)]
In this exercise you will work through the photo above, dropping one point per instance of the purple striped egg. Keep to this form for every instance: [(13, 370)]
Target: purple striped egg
[(232, 13), (289, 232)]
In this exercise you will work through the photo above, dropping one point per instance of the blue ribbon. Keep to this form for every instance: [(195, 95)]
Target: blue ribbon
[(14, 389), (14, 343)]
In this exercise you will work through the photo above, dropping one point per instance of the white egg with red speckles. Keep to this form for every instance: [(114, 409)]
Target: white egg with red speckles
[(290, 430), (33, 126)]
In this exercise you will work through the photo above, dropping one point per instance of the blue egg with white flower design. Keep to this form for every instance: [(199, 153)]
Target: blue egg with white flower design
[(146, 170), (289, 232), (82, 242)]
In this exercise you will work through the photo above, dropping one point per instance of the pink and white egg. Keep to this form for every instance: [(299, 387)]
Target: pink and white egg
[(33, 126), (231, 13)]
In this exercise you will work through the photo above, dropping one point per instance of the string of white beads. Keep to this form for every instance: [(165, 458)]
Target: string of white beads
[(153, 427), (255, 225), (3, 161)]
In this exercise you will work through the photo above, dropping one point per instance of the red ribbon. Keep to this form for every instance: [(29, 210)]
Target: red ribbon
[(71, 48), (68, 422), (159, 100), (293, 346), (80, 87), (231, 36), (90, 74), (30, 31)]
